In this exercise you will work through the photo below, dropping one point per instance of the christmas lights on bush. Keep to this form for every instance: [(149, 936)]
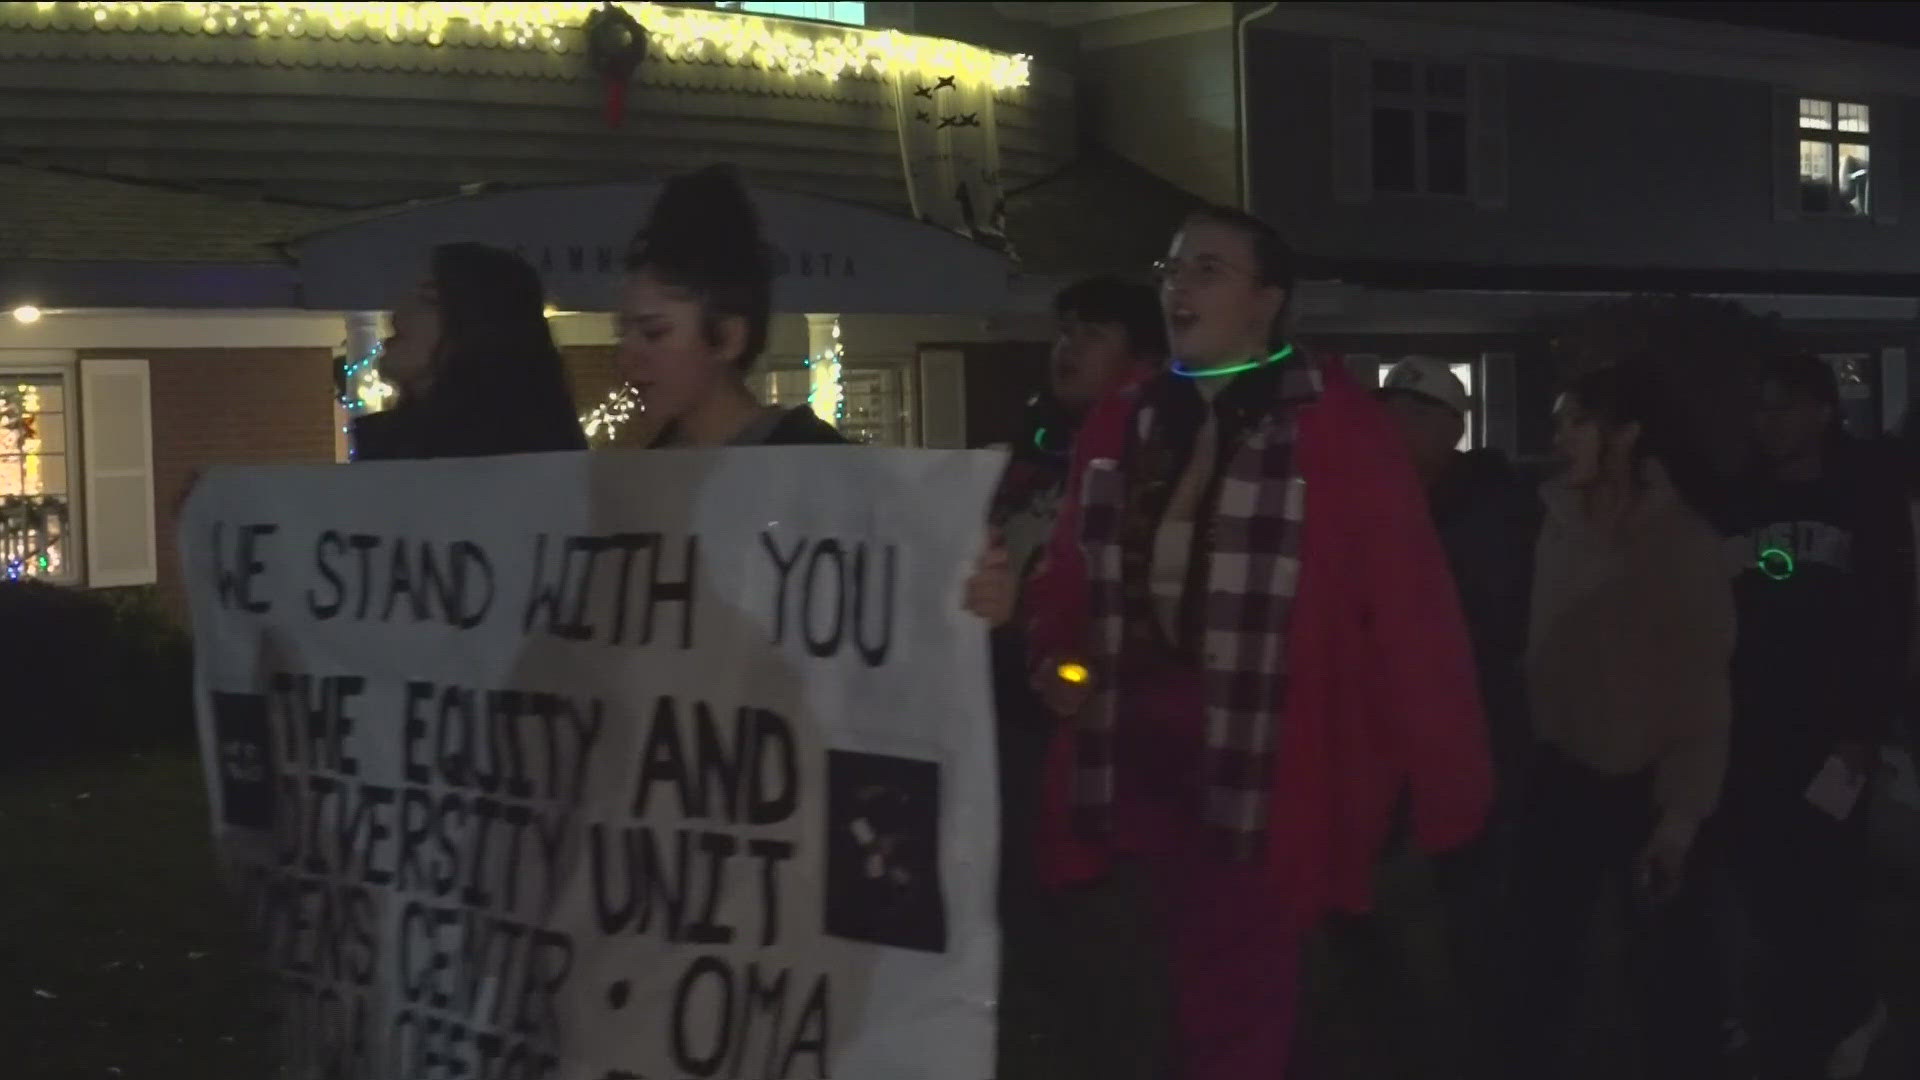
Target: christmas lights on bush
[(362, 389), (686, 35), (602, 423)]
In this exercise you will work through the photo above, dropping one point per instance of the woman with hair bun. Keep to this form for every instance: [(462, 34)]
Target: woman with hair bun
[(693, 319)]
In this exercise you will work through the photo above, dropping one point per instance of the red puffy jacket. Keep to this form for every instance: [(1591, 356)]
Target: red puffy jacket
[(1382, 694)]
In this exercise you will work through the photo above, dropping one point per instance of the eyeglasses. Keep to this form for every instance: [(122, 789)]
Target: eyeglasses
[(1201, 272)]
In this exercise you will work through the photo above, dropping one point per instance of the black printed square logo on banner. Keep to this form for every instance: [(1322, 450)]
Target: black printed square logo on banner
[(246, 760), (883, 851)]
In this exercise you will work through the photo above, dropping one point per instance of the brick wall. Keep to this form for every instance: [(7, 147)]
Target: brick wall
[(231, 407)]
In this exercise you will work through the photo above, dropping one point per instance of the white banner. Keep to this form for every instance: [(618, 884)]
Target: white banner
[(950, 153), (656, 764)]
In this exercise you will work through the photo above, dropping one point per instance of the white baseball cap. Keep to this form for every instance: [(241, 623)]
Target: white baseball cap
[(1431, 379)]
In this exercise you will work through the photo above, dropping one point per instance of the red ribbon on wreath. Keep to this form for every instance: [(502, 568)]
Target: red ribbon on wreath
[(616, 47)]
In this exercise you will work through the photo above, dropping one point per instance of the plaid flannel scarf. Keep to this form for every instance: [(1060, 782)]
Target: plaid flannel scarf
[(1242, 584)]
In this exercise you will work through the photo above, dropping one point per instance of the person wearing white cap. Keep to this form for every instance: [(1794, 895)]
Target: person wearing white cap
[(1488, 517), (1431, 406)]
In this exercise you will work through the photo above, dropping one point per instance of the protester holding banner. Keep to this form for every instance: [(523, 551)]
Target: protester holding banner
[(475, 365), (1062, 975), (693, 319), (1247, 613)]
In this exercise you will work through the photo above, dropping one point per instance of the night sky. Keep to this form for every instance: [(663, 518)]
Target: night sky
[(1887, 24)]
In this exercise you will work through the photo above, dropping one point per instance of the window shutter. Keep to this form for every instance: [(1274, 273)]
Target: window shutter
[(117, 439), (943, 399), (1489, 105), (1786, 156), (1883, 183), (1352, 96), (1894, 392)]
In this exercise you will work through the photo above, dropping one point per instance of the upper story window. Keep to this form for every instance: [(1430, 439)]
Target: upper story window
[(848, 14), (1420, 127), (1835, 147)]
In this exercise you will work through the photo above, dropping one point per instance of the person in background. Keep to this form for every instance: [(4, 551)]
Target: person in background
[(1245, 614), (1488, 519), (1631, 634), (1064, 979), (694, 314), (1108, 334), (1817, 543), (475, 366)]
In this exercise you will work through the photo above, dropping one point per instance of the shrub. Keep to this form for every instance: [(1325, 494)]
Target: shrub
[(92, 673)]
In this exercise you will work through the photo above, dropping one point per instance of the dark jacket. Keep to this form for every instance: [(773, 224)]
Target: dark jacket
[(798, 426), (430, 429), (1823, 584), (802, 427), (1488, 516)]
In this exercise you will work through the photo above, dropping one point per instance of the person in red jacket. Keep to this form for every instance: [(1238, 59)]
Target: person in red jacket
[(1247, 617)]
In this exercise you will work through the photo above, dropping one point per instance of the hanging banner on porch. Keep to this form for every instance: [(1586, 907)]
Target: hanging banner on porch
[(950, 154), (590, 767)]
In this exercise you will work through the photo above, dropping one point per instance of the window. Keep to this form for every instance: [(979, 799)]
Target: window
[(35, 478), (877, 409), (876, 400), (1419, 127), (1462, 370), (76, 470), (848, 14), (1834, 146)]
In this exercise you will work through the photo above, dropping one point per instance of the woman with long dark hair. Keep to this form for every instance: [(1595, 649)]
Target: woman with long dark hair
[(693, 320), (1631, 636), (475, 365)]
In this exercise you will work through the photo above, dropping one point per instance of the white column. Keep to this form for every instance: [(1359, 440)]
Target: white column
[(824, 357), (363, 333)]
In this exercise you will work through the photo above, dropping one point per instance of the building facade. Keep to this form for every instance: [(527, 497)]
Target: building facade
[(1457, 176), (205, 208)]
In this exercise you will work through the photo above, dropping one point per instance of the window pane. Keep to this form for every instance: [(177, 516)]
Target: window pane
[(53, 474), (53, 390), (876, 406), (1446, 153), (1447, 81), (25, 424), (1392, 77), (1816, 114), (1852, 180), (1853, 118), (783, 386), (1816, 176), (1393, 150)]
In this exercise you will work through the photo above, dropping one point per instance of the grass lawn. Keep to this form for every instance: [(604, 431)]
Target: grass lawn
[(120, 956)]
